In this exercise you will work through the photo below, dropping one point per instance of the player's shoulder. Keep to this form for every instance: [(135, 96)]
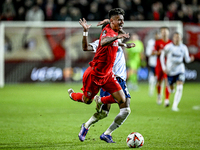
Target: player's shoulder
[(184, 46)]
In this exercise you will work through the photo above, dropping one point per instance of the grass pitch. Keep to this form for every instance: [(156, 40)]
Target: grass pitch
[(42, 116)]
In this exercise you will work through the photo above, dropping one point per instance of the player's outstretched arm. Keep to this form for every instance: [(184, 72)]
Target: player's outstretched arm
[(85, 45), (108, 40), (162, 61), (105, 21)]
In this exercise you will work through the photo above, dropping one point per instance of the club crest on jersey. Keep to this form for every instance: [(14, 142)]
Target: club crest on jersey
[(89, 93), (104, 33), (115, 43)]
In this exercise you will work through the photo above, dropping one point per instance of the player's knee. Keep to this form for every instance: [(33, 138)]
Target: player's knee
[(123, 114), (102, 114), (88, 101), (127, 111), (179, 87)]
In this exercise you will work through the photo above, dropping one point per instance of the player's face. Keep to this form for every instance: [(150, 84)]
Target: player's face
[(164, 33), (117, 22), (176, 39)]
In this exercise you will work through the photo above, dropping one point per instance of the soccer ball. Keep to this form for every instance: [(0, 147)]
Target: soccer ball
[(135, 140)]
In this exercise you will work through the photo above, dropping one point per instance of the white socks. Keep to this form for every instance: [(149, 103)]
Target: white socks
[(178, 95), (95, 118), (152, 84), (119, 120)]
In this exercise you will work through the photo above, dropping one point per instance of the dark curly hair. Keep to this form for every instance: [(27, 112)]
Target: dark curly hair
[(116, 11)]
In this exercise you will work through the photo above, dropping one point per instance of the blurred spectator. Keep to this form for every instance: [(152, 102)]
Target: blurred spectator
[(49, 10), (198, 18), (93, 14), (63, 15), (20, 14), (84, 7), (157, 12), (35, 14), (171, 13), (127, 6), (8, 10), (28, 4), (75, 14), (59, 5), (184, 10)]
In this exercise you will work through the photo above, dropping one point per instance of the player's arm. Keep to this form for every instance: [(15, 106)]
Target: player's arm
[(188, 58), (162, 59), (85, 45), (149, 48), (108, 40), (155, 51)]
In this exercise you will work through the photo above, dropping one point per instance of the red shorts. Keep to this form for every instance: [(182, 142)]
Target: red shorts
[(160, 75), (92, 84)]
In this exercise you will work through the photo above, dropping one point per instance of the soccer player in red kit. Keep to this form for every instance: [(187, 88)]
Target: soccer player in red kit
[(159, 45), (100, 75)]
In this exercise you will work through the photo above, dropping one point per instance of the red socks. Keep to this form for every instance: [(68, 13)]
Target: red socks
[(108, 100), (77, 97), (166, 93), (158, 89)]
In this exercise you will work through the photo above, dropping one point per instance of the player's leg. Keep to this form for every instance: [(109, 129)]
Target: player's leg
[(123, 114), (158, 86), (167, 91), (152, 80), (133, 80), (179, 91), (118, 121), (95, 118), (90, 89)]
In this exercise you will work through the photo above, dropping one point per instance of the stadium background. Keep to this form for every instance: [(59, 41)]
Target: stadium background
[(44, 54)]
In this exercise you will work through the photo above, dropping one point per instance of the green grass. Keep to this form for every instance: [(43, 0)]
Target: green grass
[(42, 116)]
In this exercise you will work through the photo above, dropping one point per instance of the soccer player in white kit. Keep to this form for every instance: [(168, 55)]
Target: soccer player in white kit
[(174, 66), (119, 70), (152, 60)]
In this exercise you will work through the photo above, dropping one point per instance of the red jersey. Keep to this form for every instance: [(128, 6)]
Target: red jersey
[(159, 45), (104, 58)]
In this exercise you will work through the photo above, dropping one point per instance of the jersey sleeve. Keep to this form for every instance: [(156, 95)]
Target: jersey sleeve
[(94, 45), (166, 49), (162, 56), (150, 47), (107, 33), (186, 56)]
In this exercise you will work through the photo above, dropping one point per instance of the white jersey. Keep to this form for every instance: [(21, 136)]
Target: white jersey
[(119, 68), (152, 59), (174, 55)]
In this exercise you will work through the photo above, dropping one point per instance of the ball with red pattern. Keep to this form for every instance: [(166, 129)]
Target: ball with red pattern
[(135, 140)]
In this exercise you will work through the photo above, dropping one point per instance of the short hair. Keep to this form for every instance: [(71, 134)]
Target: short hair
[(116, 11), (164, 27), (176, 33)]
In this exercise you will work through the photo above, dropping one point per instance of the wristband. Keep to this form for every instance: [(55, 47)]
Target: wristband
[(85, 33), (125, 45)]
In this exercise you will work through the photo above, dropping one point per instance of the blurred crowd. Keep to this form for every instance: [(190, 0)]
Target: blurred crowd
[(73, 10)]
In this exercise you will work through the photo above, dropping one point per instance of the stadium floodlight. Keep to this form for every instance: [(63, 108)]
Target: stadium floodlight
[(144, 28)]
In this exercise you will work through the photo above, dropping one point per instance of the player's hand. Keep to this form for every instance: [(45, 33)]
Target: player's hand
[(124, 36), (130, 45), (165, 71), (84, 24), (103, 22), (192, 57), (159, 52)]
